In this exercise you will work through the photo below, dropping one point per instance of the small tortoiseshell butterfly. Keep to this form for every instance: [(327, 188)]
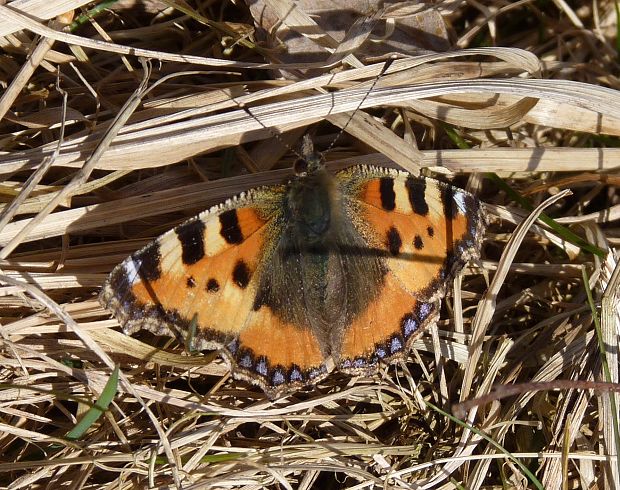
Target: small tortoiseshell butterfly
[(289, 282)]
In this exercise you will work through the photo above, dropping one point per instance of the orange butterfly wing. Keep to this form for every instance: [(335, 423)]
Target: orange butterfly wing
[(201, 281)]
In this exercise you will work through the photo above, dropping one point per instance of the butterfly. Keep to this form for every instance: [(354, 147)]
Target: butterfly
[(327, 272)]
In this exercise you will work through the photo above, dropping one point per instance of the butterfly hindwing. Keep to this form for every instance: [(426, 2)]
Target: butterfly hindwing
[(385, 329)]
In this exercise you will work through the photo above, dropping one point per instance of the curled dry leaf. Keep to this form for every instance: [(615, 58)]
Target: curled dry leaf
[(309, 30)]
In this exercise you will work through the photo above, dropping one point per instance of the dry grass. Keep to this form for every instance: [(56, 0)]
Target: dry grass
[(93, 167)]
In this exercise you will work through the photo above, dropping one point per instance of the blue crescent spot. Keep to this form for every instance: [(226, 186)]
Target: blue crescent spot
[(425, 309), (246, 361), (395, 345), (278, 377), (359, 363), (380, 352), (127, 304), (411, 325), (295, 375), (261, 367), (233, 346)]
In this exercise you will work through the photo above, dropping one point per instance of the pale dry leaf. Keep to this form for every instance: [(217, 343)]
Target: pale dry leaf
[(310, 30)]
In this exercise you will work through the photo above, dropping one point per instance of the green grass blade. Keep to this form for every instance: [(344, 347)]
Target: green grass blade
[(91, 14), (101, 405)]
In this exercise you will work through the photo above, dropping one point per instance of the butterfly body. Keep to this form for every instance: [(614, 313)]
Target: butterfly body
[(290, 282)]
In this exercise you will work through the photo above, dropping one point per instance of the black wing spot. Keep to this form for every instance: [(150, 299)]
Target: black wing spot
[(213, 286), (394, 241), (229, 227), (449, 206), (191, 282), (431, 231), (241, 274), (418, 243), (191, 236), (388, 196), (150, 262), (416, 190)]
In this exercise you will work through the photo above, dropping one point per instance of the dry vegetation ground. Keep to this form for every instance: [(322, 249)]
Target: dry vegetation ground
[(90, 171)]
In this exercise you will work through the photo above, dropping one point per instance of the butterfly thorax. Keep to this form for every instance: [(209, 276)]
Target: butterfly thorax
[(310, 207)]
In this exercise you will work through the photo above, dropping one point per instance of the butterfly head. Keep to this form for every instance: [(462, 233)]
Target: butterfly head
[(309, 161)]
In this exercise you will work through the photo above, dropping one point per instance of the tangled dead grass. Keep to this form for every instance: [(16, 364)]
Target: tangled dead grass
[(94, 164)]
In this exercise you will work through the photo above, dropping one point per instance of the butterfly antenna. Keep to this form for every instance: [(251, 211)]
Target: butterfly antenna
[(302, 155), (273, 132), (386, 65)]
